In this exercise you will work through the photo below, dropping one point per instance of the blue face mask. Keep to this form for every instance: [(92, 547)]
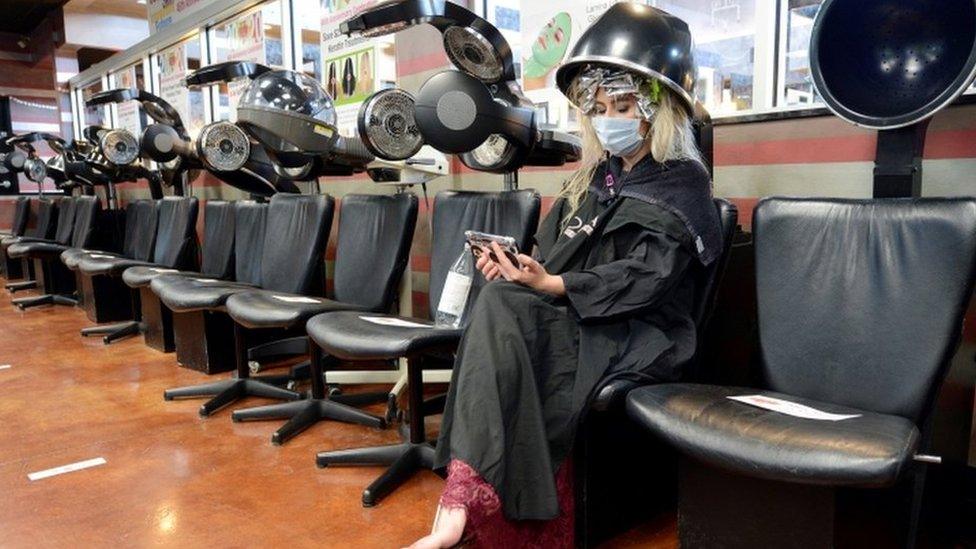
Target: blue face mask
[(619, 136)]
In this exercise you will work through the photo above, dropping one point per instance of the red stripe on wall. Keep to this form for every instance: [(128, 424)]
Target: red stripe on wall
[(951, 144), (851, 148), (947, 144), (746, 206)]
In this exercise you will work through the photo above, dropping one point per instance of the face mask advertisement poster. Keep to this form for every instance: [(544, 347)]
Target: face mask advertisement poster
[(549, 32), (128, 112), (350, 63), (245, 39)]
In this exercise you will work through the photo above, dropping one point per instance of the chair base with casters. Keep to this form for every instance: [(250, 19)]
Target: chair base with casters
[(319, 406), (228, 391), (282, 314), (116, 331), (404, 459), (57, 282), (14, 287)]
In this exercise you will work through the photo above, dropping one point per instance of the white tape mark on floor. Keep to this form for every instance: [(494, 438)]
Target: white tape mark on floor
[(71, 467), (4, 366)]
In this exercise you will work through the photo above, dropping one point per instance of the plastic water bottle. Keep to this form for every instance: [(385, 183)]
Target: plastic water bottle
[(457, 288)]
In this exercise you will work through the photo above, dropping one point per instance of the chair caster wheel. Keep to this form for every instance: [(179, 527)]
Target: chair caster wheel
[(292, 385), (254, 366), (335, 390)]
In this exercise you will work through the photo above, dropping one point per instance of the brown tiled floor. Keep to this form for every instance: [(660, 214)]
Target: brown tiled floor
[(172, 478)]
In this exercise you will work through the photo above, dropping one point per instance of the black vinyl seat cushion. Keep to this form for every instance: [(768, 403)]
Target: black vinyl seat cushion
[(9, 241), (268, 309), (347, 336), (30, 249), (142, 275), (184, 294), (72, 256), (98, 264), (702, 422)]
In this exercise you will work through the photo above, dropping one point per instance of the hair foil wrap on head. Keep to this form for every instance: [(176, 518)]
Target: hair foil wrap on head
[(617, 83)]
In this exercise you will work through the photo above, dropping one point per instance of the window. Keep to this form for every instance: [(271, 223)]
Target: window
[(129, 115), (252, 36), (93, 116), (797, 85), (171, 67), (725, 50), (308, 19)]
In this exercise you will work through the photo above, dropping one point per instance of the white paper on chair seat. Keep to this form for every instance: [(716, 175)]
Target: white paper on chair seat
[(295, 299), (790, 408), (399, 322)]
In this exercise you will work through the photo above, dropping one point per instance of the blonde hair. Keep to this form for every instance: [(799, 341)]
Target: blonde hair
[(671, 137)]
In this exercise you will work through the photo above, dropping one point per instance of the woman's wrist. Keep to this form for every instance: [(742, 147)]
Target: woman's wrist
[(553, 284)]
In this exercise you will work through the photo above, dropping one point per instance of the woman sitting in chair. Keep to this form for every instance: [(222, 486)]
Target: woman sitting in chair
[(609, 292)]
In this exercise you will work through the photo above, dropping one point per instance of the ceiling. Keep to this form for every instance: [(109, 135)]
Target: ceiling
[(126, 8), (90, 56), (23, 16)]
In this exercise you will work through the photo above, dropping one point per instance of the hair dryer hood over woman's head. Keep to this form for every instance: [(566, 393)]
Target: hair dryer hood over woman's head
[(641, 40)]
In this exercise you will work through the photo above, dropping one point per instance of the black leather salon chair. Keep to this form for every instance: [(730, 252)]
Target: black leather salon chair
[(65, 208), (43, 230), (217, 261), (175, 246), (11, 269), (375, 234), (612, 461), (18, 222), (202, 336), (292, 262), (345, 336), (861, 305), (76, 229), (136, 240)]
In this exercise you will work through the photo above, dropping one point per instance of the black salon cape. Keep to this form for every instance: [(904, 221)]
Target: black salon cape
[(528, 362)]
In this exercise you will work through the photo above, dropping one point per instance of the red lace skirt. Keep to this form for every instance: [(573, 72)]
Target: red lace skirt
[(487, 525)]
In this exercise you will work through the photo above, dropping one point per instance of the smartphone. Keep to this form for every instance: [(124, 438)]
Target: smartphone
[(481, 243)]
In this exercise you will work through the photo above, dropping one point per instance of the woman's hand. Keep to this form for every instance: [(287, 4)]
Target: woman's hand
[(531, 273)]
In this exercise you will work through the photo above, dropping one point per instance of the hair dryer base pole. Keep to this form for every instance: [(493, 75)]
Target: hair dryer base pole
[(898, 161)]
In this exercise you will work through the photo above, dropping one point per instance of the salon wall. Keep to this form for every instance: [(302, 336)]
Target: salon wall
[(28, 74)]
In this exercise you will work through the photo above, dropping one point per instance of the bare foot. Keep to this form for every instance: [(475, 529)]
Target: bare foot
[(447, 531)]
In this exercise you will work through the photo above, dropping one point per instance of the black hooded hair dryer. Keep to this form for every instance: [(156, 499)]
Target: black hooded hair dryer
[(477, 111), (890, 65)]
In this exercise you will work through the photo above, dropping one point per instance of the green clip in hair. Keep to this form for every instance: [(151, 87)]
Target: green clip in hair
[(652, 90)]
